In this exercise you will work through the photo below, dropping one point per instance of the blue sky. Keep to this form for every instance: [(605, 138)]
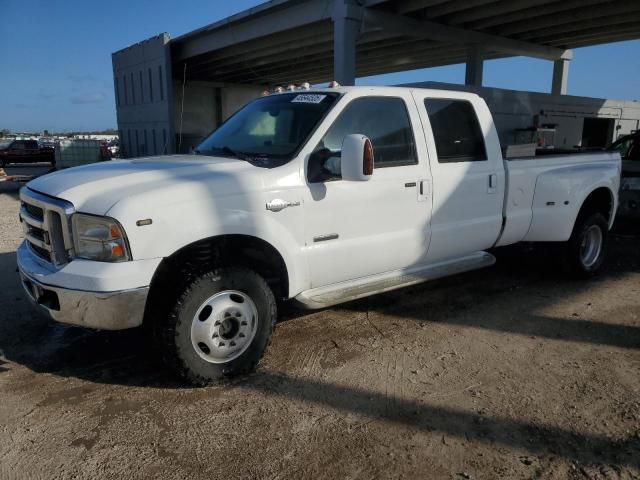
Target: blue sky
[(56, 59)]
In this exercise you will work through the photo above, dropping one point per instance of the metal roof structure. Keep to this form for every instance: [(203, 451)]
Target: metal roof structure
[(294, 40)]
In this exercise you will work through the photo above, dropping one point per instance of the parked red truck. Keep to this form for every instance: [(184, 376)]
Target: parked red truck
[(25, 151)]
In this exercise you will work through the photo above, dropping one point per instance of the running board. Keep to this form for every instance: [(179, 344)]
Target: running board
[(329, 295)]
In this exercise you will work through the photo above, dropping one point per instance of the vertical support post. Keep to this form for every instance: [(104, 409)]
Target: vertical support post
[(560, 77), (474, 67), (347, 18)]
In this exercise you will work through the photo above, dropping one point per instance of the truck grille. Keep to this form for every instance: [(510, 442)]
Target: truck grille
[(47, 226), (35, 212)]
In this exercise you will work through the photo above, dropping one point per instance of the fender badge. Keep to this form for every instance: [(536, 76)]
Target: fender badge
[(142, 223)]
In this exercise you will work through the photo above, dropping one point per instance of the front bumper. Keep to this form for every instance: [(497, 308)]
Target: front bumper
[(113, 310)]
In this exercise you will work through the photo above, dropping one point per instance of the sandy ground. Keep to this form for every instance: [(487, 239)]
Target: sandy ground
[(511, 372)]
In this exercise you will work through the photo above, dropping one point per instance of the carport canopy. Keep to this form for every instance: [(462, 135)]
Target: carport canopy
[(295, 41)]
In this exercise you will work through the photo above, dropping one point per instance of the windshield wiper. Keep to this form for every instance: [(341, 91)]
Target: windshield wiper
[(240, 155)]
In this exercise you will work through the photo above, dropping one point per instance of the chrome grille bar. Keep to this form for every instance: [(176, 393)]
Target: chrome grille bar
[(34, 222), (55, 226)]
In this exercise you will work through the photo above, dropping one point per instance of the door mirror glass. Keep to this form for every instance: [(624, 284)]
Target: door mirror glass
[(357, 158)]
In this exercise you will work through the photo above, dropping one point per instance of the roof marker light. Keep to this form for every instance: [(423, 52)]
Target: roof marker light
[(304, 86), (333, 84)]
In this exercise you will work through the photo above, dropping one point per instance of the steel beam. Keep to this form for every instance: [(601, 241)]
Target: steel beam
[(560, 77), (572, 16), (381, 55), (529, 13), (493, 10), (567, 29), (451, 7), (347, 18), (297, 15), (474, 67), (436, 31)]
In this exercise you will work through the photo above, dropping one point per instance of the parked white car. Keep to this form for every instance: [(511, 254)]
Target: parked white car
[(319, 196)]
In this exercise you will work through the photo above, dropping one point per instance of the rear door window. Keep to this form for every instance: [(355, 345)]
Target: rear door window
[(456, 130)]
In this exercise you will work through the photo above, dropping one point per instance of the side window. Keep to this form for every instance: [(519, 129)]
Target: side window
[(385, 121), (456, 130)]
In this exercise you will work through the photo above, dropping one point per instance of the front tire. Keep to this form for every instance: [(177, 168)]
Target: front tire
[(586, 247), (219, 326)]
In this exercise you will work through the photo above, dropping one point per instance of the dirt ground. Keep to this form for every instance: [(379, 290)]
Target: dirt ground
[(512, 372)]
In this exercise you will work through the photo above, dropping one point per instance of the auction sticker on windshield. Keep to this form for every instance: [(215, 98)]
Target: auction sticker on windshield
[(308, 98)]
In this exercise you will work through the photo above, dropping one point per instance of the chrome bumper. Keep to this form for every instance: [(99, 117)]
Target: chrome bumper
[(100, 310)]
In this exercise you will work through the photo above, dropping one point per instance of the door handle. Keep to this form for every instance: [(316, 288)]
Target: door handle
[(424, 187), (278, 204), (493, 183)]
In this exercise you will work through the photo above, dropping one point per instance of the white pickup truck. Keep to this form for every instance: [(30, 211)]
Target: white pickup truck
[(321, 196)]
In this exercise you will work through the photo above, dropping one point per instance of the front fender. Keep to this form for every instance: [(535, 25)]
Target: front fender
[(177, 225)]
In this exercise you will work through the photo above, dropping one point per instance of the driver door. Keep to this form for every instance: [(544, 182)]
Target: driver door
[(355, 229)]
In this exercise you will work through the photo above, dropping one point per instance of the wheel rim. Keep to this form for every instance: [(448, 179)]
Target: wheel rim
[(591, 246), (224, 326)]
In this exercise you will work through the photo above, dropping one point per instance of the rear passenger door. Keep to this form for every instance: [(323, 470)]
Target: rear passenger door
[(468, 174)]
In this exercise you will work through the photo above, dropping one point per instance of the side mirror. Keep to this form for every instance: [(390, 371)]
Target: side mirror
[(357, 157)]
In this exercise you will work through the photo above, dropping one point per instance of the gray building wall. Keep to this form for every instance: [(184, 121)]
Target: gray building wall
[(200, 107), (142, 83), (158, 115)]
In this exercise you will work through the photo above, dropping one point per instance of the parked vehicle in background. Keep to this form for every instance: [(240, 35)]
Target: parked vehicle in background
[(629, 148), (114, 148), (25, 151), (105, 152), (320, 196), (46, 143)]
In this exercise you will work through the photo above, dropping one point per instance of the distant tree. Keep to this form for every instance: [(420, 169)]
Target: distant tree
[(5, 131), (46, 133)]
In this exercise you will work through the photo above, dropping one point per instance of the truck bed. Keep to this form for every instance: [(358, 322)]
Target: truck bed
[(542, 193)]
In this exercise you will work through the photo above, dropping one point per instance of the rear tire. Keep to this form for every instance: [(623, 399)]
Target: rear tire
[(219, 326), (586, 248)]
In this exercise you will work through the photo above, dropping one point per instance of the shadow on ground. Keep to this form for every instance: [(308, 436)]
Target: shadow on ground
[(126, 358)]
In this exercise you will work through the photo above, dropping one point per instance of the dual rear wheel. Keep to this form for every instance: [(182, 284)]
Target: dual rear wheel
[(586, 248)]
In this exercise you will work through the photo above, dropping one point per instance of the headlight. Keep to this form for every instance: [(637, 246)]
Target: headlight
[(99, 238)]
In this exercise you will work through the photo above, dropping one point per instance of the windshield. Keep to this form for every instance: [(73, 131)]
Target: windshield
[(270, 130)]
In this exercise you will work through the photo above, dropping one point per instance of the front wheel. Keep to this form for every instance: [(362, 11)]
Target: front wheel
[(586, 248), (220, 325)]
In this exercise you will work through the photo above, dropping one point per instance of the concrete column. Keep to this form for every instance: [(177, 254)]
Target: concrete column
[(347, 18), (560, 77), (474, 68)]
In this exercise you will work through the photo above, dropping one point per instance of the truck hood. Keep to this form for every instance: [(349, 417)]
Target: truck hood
[(97, 187)]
